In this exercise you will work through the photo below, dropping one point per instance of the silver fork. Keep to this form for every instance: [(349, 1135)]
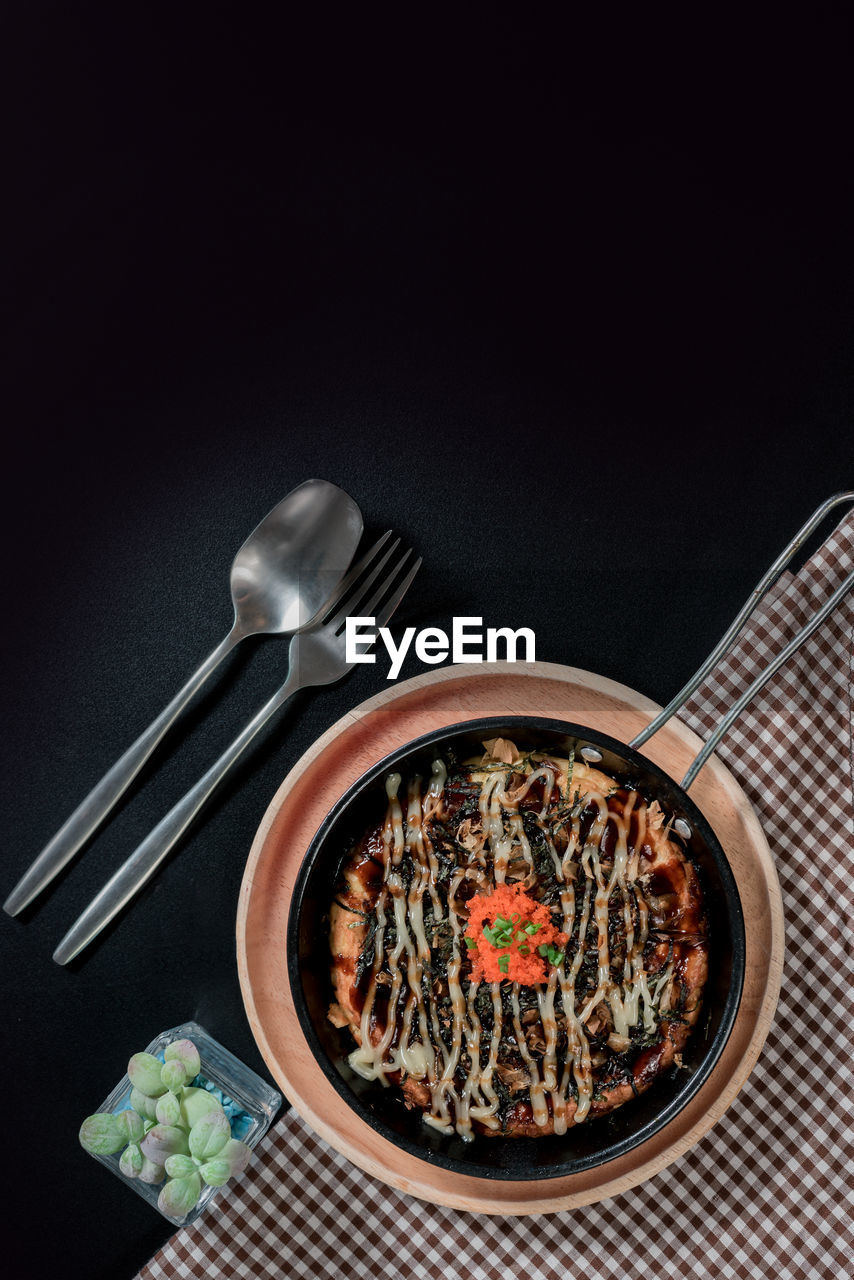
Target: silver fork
[(317, 657)]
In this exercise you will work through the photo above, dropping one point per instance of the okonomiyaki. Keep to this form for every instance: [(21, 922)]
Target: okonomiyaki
[(518, 945)]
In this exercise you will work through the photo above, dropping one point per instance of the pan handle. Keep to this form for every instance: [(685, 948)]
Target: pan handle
[(726, 640)]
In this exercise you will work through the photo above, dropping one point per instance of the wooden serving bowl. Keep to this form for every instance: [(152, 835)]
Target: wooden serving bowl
[(316, 785)]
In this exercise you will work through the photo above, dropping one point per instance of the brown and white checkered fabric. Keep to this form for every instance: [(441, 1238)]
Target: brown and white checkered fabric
[(769, 1192)]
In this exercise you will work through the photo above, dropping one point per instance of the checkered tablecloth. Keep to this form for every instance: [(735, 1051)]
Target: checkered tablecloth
[(770, 1190)]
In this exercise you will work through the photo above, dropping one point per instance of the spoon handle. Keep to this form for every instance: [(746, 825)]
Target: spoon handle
[(145, 860), (93, 810)]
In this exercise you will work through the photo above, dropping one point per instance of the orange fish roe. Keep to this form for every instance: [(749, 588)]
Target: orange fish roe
[(505, 933)]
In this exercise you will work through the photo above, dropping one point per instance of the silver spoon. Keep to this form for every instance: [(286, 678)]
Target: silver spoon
[(281, 578)]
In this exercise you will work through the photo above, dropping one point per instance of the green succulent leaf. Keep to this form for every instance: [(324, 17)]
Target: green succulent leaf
[(174, 1075), (216, 1172), (179, 1195), (168, 1110), (102, 1134), (133, 1125), (196, 1104), (151, 1172), (185, 1052), (143, 1105), (164, 1140), (144, 1072), (181, 1166), (132, 1161), (237, 1154), (209, 1135)]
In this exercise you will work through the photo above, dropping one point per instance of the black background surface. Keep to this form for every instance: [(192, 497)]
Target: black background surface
[(569, 309)]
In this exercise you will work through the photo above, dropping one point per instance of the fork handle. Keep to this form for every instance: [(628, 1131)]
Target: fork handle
[(141, 865), (92, 811)]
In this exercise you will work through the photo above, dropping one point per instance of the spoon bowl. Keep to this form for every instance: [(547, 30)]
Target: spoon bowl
[(292, 562)]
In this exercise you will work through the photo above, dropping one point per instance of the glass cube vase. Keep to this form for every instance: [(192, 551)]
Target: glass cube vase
[(248, 1101)]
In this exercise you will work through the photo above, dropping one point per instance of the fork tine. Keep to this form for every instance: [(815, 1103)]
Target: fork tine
[(382, 590), (351, 606), (357, 570), (401, 591)]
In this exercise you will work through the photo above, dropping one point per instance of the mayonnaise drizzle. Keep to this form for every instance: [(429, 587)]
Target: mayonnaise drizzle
[(444, 1049)]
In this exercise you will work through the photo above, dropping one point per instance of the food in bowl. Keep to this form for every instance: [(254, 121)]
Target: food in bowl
[(519, 944)]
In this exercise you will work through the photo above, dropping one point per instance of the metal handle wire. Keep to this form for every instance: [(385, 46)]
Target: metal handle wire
[(726, 641)]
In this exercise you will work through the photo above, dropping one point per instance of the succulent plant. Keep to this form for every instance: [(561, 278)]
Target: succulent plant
[(180, 1166), (143, 1105), (185, 1052), (215, 1173), (179, 1195), (151, 1173), (209, 1135), (173, 1129), (168, 1109), (174, 1075), (103, 1135), (132, 1161), (133, 1124), (195, 1104), (164, 1140), (144, 1072), (214, 1156), (236, 1154)]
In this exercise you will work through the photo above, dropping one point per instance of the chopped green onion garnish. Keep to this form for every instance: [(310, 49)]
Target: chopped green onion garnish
[(504, 963), (521, 935), (543, 949), (524, 950), (532, 928), (471, 944), (501, 935)]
